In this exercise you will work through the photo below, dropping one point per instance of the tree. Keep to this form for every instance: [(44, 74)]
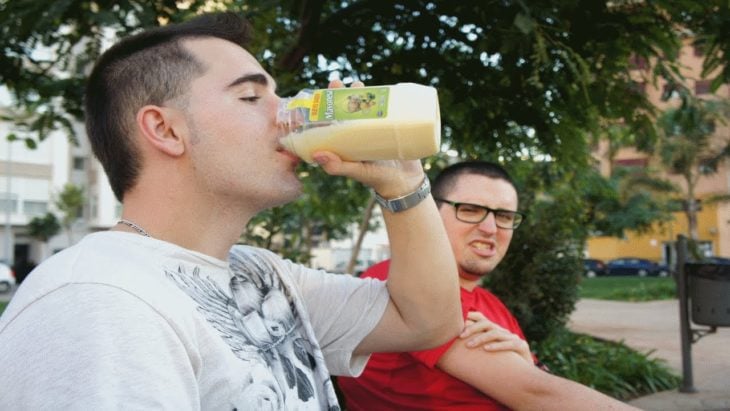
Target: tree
[(518, 81), (43, 228), (70, 203), (709, 24), (688, 148), (512, 75)]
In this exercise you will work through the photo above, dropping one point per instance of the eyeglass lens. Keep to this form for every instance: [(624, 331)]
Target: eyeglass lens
[(471, 213)]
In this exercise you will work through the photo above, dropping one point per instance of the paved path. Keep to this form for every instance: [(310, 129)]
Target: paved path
[(654, 326)]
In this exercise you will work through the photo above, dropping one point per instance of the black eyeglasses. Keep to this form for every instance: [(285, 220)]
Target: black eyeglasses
[(475, 214)]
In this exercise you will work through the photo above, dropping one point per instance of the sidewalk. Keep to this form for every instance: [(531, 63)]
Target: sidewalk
[(654, 326)]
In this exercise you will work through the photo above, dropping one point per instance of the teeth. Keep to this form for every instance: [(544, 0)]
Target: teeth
[(481, 246)]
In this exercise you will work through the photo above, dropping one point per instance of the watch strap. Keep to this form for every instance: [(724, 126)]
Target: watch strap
[(407, 201)]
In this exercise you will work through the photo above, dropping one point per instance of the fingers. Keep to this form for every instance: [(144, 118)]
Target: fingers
[(490, 336), (501, 340), (475, 316), (506, 345), (333, 165), (330, 162), (476, 322), (337, 83)]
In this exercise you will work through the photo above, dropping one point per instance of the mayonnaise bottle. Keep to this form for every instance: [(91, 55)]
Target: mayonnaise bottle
[(400, 121)]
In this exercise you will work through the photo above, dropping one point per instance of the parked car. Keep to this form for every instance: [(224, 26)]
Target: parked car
[(593, 267), (7, 278), (636, 266), (716, 260)]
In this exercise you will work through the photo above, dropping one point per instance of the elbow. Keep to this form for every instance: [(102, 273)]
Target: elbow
[(446, 323), (444, 330), (450, 330)]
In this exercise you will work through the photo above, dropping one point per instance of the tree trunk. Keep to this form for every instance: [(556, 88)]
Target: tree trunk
[(367, 214), (691, 211)]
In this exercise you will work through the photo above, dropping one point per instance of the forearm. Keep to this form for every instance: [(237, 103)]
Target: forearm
[(556, 393), (507, 378), (423, 282), (424, 308)]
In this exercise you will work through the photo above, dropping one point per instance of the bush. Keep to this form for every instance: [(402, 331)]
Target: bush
[(609, 367), (539, 276)]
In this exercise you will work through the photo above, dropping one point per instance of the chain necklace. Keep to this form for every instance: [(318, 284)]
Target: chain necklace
[(134, 227)]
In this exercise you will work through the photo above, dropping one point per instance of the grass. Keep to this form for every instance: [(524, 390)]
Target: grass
[(609, 367), (2, 306), (628, 288)]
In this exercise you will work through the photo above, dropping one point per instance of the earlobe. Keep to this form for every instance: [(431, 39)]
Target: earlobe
[(160, 127)]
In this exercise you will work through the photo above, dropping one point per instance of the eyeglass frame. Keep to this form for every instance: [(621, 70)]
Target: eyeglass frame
[(488, 210)]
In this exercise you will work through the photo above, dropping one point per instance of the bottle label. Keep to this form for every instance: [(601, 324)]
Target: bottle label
[(358, 103)]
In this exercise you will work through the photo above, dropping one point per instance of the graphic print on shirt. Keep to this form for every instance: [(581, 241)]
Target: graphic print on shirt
[(259, 322)]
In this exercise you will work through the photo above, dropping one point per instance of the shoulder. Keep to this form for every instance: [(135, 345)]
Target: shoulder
[(242, 256)]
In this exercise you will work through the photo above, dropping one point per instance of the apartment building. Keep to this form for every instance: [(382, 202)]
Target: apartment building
[(30, 180), (713, 218)]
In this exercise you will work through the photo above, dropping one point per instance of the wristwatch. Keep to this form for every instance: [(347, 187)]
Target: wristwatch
[(407, 201)]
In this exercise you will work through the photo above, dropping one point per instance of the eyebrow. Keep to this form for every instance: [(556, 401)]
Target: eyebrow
[(257, 78)]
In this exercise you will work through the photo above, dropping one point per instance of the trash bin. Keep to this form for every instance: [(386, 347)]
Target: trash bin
[(709, 293)]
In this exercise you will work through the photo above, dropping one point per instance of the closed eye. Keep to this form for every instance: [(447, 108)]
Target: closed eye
[(251, 99)]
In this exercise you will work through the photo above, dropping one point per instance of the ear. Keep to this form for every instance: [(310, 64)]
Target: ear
[(161, 127)]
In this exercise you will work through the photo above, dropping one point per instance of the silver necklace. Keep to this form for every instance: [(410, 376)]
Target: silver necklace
[(134, 227)]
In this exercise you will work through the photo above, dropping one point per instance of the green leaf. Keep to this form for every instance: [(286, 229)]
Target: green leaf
[(31, 143), (524, 23)]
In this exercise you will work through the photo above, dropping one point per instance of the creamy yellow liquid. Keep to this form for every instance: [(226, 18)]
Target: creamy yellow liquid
[(411, 130)]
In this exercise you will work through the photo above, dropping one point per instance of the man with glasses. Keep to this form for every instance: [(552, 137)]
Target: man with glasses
[(477, 202)]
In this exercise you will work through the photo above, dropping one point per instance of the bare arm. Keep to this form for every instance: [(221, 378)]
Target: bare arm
[(424, 308), (509, 379)]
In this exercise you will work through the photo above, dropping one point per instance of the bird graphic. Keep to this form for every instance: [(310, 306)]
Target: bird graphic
[(258, 321)]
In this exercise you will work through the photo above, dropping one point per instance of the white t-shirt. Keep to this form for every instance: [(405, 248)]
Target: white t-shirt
[(125, 321)]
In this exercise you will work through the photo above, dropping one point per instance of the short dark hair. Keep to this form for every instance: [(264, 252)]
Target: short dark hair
[(150, 67), (446, 179)]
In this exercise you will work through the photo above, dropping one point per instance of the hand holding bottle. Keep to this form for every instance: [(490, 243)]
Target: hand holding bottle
[(390, 178)]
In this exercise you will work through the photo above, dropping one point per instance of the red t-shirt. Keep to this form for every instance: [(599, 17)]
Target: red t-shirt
[(410, 381)]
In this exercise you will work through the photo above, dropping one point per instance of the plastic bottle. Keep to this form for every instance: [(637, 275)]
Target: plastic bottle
[(400, 121)]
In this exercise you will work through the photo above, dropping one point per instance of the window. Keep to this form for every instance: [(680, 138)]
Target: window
[(631, 162), (638, 62), (35, 208), (8, 202), (699, 50), (638, 87), (702, 87), (93, 209), (669, 91), (79, 163)]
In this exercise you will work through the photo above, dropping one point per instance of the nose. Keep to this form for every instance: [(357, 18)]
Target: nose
[(489, 224)]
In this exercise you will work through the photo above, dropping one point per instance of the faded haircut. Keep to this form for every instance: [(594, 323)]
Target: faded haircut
[(447, 178), (151, 67)]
